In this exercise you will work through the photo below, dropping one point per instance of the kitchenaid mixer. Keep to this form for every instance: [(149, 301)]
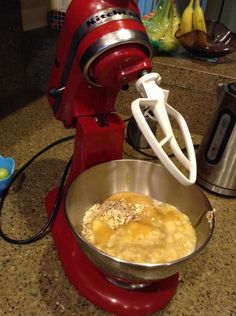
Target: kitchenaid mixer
[(102, 47)]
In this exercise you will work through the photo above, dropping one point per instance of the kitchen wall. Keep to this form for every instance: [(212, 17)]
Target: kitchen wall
[(34, 13), (228, 13), (25, 57), (11, 58)]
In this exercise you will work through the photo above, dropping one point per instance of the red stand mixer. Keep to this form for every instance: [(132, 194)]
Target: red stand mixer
[(102, 47)]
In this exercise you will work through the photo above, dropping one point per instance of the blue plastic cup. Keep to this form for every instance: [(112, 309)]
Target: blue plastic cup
[(9, 164)]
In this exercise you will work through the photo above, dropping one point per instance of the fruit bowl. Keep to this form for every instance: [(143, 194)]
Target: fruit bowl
[(101, 181), (219, 41)]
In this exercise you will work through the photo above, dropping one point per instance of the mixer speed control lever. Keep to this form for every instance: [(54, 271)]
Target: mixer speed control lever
[(56, 92), (101, 120)]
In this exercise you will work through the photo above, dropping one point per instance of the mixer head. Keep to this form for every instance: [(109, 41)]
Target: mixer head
[(101, 50), (103, 45)]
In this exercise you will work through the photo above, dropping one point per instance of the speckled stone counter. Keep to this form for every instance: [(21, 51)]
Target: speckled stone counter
[(32, 280)]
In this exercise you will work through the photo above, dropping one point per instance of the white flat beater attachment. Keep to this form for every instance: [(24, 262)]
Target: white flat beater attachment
[(155, 99)]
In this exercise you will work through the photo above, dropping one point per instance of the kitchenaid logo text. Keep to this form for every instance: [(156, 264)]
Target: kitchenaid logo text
[(111, 14)]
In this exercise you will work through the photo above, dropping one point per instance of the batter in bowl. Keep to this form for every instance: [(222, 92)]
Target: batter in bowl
[(137, 228)]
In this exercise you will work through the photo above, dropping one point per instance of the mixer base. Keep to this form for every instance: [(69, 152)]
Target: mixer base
[(92, 284)]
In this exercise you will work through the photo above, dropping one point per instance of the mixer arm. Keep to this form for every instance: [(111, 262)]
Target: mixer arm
[(155, 98)]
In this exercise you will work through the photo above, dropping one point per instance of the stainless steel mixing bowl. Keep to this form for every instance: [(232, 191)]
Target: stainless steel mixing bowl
[(97, 183)]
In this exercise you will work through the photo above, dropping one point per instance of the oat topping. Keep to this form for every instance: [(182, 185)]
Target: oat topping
[(113, 213)]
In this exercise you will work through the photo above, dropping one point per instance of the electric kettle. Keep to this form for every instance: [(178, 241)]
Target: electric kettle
[(216, 156)]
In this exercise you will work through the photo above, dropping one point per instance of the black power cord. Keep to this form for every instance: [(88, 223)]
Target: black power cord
[(221, 10), (42, 232)]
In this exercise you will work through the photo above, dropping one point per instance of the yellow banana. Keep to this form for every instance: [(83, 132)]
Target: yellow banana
[(186, 24), (198, 18), (175, 18)]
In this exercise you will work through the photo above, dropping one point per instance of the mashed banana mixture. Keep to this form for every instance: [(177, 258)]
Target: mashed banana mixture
[(136, 228)]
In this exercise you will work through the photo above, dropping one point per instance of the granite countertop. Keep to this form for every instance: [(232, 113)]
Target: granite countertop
[(32, 280), (225, 66)]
